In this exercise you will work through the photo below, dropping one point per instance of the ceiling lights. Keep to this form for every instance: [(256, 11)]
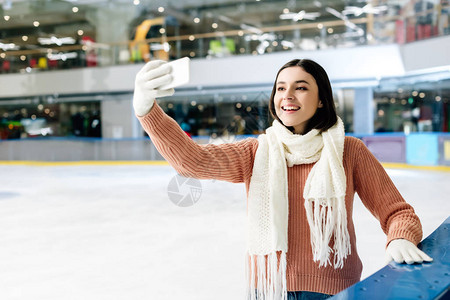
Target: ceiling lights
[(62, 56), (251, 29), (56, 41), (366, 9), (358, 31), (299, 16), (9, 46)]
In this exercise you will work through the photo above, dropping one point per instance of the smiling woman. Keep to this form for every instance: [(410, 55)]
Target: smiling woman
[(296, 98), (303, 84), (301, 177)]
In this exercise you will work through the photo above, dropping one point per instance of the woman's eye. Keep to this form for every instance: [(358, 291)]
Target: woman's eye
[(280, 89), (301, 88)]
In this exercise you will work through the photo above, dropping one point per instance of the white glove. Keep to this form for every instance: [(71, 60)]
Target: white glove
[(402, 250), (153, 75)]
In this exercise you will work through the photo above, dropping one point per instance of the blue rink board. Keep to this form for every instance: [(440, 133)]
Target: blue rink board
[(418, 281)]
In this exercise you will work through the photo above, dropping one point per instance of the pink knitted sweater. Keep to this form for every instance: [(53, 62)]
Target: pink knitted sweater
[(233, 162)]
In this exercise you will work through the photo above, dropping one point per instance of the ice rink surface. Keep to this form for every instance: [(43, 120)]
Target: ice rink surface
[(112, 232)]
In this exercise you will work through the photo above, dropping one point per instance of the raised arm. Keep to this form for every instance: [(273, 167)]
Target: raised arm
[(397, 218), (230, 162)]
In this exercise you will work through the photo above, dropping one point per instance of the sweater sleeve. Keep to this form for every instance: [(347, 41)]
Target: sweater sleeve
[(379, 194), (231, 162)]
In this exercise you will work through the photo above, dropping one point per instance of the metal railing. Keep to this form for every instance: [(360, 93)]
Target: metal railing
[(402, 281)]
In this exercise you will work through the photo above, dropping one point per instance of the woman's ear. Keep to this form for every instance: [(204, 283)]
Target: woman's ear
[(320, 104)]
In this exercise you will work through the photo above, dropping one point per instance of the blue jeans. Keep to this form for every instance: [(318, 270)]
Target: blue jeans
[(302, 295), (307, 296)]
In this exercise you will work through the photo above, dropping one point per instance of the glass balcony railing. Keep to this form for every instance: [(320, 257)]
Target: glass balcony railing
[(395, 26)]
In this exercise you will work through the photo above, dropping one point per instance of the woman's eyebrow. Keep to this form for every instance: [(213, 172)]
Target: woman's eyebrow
[(297, 81)]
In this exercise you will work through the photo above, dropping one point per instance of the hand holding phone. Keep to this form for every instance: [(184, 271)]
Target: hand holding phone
[(149, 79), (180, 69)]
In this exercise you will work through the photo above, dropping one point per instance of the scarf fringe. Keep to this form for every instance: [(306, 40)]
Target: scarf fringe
[(266, 277), (327, 216)]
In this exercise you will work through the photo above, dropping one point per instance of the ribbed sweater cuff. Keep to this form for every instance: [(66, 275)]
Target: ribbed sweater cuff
[(403, 234), (405, 228), (154, 117)]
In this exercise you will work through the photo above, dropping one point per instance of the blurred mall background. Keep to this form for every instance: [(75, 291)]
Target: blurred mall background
[(67, 70)]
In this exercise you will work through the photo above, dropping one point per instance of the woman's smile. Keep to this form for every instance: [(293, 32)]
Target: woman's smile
[(290, 108)]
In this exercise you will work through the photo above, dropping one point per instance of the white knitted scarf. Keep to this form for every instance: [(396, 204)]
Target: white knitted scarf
[(268, 209)]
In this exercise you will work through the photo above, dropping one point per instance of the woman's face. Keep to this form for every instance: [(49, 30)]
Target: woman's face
[(296, 98)]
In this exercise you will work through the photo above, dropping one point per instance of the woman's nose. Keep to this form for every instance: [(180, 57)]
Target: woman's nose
[(288, 94)]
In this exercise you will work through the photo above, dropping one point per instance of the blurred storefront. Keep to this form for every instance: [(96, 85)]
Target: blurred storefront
[(45, 117), (380, 84)]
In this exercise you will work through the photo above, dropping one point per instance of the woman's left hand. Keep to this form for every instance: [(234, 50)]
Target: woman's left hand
[(402, 250)]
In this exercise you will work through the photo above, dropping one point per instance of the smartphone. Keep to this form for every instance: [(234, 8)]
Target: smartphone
[(180, 73)]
